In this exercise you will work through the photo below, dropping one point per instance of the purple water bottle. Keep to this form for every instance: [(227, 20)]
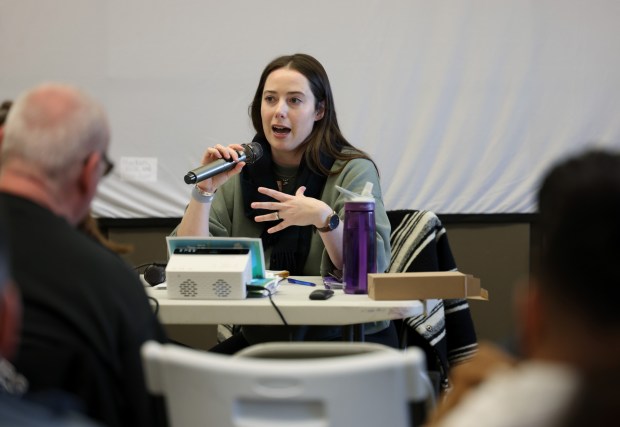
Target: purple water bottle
[(359, 242)]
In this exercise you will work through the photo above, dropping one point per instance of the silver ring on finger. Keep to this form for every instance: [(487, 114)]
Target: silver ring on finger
[(277, 215)]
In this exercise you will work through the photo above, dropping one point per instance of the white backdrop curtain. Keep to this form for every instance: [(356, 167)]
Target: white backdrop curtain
[(462, 104)]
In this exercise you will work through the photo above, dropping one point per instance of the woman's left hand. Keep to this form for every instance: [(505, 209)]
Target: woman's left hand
[(291, 209)]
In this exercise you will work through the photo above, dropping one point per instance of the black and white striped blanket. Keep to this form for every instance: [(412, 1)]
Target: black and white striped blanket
[(446, 330)]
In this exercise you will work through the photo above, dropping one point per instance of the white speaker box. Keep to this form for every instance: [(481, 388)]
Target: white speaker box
[(208, 276)]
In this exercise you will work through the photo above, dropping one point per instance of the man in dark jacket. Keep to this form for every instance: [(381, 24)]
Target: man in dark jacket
[(85, 311)]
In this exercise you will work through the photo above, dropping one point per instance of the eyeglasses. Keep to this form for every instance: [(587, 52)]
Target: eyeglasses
[(107, 163)]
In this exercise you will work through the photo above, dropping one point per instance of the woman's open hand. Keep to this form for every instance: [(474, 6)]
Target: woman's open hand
[(294, 209)]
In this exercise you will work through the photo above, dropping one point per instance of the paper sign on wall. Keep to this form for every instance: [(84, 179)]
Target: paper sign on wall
[(139, 169)]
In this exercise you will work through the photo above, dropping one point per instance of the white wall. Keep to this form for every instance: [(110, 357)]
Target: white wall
[(463, 104)]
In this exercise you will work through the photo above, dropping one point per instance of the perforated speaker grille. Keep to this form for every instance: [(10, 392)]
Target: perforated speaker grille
[(188, 288), (221, 288)]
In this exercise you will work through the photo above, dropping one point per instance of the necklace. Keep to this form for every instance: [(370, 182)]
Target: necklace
[(283, 182), (285, 175), (285, 179)]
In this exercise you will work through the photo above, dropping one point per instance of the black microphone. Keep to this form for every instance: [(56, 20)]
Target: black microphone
[(251, 153)]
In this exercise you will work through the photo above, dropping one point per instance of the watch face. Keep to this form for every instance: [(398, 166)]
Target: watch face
[(334, 220)]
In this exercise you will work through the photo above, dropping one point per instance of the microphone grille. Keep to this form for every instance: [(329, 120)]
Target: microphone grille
[(253, 152)]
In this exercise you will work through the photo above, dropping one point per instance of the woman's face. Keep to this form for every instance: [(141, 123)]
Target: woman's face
[(288, 113)]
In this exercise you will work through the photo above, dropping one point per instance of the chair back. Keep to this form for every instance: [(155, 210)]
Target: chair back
[(370, 388), (309, 349)]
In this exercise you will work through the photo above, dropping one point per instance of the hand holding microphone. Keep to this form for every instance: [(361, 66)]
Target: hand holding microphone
[(251, 153)]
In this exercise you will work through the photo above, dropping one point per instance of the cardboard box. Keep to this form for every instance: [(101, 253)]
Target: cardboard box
[(425, 285)]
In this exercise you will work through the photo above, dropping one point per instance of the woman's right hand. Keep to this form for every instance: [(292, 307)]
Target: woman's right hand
[(220, 152)]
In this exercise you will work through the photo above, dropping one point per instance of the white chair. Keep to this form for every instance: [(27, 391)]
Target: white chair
[(371, 388)]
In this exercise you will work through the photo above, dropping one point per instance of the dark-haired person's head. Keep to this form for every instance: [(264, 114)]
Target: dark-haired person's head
[(571, 311), (318, 81), (325, 135), (579, 209)]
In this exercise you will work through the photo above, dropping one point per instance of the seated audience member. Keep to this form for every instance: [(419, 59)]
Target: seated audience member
[(86, 313), (15, 409), (569, 320)]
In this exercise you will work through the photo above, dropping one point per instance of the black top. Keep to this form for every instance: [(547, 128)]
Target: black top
[(86, 315)]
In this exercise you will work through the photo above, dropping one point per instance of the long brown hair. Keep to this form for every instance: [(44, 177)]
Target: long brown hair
[(325, 136)]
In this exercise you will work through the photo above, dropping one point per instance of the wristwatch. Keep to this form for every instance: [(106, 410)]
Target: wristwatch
[(331, 223)]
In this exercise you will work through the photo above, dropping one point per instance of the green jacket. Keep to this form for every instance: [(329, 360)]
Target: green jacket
[(227, 217)]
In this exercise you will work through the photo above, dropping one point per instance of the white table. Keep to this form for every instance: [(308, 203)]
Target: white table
[(293, 302)]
